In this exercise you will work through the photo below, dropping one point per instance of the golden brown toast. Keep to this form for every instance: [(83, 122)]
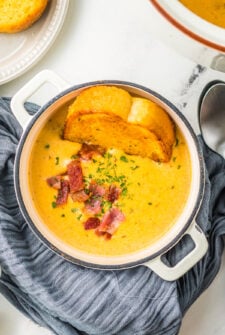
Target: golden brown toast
[(106, 99), (148, 114), (111, 131), (110, 117), (18, 15)]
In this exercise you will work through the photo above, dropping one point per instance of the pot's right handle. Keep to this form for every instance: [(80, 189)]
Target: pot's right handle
[(185, 264), (17, 102)]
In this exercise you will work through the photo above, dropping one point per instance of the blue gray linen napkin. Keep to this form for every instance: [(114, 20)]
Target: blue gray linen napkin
[(69, 299)]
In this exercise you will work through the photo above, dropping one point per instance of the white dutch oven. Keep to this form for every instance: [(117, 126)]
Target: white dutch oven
[(194, 32), (151, 256)]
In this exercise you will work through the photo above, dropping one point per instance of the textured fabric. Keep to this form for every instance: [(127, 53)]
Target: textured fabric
[(70, 299)]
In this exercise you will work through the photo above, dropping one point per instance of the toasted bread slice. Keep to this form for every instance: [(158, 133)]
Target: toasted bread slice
[(106, 99), (17, 15), (148, 114), (111, 131)]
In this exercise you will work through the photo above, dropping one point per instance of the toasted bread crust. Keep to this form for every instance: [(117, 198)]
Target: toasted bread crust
[(106, 99), (111, 131), (18, 15), (110, 117), (148, 114)]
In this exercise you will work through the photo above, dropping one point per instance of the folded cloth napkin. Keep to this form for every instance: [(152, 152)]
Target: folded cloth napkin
[(70, 299)]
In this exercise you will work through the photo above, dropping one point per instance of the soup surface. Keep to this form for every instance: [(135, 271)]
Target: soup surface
[(152, 194), (210, 10)]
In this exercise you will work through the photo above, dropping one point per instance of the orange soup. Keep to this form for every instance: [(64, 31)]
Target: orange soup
[(147, 196), (209, 10)]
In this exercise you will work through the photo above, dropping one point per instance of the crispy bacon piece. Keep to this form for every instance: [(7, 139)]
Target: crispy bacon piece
[(63, 193), (75, 176), (106, 236), (111, 221), (93, 205), (87, 151), (54, 182), (91, 223), (113, 193), (96, 190), (80, 196)]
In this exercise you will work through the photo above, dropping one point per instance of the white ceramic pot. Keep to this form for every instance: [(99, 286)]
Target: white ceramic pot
[(150, 256), (199, 39)]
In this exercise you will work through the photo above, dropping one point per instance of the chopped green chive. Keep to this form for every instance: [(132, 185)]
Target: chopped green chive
[(74, 210), (124, 191), (47, 146), (134, 167), (149, 203), (178, 166), (174, 159), (79, 217), (57, 160), (74, 156), (54, 205), (63, 215), (124, 159), (177, 142)]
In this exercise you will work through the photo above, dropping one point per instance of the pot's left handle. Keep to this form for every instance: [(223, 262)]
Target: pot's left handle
[(17, 102), (185, 264)]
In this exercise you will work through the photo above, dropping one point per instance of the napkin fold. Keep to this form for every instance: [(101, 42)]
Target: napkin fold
[(70, 299)]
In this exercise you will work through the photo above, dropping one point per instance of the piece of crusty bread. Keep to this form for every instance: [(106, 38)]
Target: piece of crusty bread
[(111, 131), (18, 15), (110, 117), (150, 115), (106, 99)]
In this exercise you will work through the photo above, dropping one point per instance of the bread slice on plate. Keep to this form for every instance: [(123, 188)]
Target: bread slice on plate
[(18, 15)]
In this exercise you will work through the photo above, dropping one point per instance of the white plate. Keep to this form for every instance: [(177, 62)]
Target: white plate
[(22, 50)]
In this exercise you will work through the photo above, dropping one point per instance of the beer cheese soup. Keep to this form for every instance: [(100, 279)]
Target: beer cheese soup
[(209, 10), (105, 202)]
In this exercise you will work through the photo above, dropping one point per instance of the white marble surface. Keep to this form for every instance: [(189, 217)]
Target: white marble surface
[(117, 40)]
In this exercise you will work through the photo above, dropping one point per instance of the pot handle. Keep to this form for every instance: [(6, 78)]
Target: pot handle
[(17, 102), (175, 272)]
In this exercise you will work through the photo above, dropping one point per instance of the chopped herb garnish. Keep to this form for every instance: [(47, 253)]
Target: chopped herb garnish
[(74, 210), (178, 166), (63, 215), (149, 203), (79, 217), (172, 187), (47, 146), (99, 170), (57, 160), (74, 156), (174, 159), (124, 191), (54, 205), (94, 160), (134, 167), (124, 159)]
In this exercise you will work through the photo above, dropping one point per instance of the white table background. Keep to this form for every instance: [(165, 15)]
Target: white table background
[(117, 39)]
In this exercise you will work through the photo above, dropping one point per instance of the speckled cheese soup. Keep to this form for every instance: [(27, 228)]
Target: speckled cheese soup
[(104, 201), (210, 10)]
